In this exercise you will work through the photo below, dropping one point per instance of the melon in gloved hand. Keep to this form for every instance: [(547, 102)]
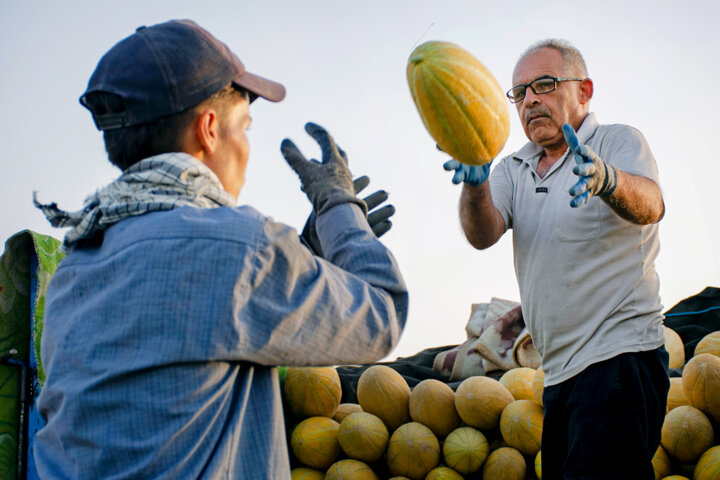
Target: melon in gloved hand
[(460, 102)]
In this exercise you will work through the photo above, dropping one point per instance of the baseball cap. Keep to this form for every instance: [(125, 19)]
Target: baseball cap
[(165, 69)]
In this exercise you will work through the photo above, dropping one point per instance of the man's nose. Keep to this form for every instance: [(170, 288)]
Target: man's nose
[(531, 98)]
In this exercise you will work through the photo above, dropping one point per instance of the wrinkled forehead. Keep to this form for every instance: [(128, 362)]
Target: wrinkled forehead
[(543, 61)]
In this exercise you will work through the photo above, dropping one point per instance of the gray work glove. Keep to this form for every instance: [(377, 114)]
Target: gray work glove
[(327, 183), (379, 219), (596, 176)]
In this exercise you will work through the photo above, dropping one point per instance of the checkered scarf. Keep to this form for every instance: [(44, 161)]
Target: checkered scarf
[(162, 182)]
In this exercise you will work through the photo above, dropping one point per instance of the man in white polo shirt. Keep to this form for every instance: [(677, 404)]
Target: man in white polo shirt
[(584, 209)]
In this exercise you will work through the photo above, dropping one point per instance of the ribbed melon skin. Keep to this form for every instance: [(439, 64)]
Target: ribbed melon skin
[(312, 391), (708, 465), (386, 394), (413, 451), (701, 381), (521, 426), (460, 102), (465, 450), (349, 469)]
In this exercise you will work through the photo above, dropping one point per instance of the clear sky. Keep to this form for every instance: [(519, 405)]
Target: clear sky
[(655, 65)]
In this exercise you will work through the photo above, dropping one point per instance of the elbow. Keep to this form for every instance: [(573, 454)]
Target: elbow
[(480, 243)]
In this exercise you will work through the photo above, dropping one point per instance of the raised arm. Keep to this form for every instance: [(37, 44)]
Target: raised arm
[(480, 220), (633, 197)]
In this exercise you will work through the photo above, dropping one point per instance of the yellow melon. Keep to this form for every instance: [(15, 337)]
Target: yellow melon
[(538, 386), (312, 391), (538, 465), (384, 392), (480, 400), (661, 463), (303, 473), (350, 469), (675, 348), (314, 441), (505, 463), (676, 477), (686, 433), (460, 102), (465, 450), (708, 465), (443, 473), (710, 343), (519, 382), (521, 426), (432, 403), (701, 381), (345, 409), (676, 394), (413, 451), (363, 436)]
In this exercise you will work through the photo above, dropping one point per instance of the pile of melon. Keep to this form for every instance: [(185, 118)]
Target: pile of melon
[(486, 429)]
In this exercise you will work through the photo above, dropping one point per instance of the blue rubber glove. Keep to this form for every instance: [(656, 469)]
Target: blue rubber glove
[(472, 175), (596, 176)]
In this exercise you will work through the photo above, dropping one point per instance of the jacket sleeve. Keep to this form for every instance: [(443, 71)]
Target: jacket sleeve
[(299, 309)]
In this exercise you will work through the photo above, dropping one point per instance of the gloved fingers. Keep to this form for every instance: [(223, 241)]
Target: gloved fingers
[(381, 228), (580, 187), (452, 164), (360, 183), (585, 169), (580, 200), (460, 175), (326, 142), (381, 215), (588, 154), (292, 155), (375, 199), (478, 175), (570, 136)]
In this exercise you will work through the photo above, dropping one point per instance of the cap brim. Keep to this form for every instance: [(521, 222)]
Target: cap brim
[(260, 86)]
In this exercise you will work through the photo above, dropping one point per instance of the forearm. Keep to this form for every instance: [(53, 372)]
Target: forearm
[(480, 220), (637, 199)]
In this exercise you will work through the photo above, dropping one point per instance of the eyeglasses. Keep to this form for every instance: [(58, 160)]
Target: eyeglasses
[(540, 86)]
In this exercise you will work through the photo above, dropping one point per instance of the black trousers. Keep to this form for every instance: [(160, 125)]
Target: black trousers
[(605, 422)]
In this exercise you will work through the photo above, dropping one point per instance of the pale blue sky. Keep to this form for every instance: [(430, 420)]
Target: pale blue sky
[(655, 65)]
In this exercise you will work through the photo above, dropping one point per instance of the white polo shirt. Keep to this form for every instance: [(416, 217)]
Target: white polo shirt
[(587, 280)]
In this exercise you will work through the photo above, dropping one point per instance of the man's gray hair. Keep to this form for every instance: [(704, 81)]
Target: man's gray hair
[(573, 59)]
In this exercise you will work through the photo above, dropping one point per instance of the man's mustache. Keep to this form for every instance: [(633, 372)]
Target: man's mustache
[(535, 113)]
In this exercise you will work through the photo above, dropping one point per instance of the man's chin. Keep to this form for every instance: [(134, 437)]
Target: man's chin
[(542, 135)]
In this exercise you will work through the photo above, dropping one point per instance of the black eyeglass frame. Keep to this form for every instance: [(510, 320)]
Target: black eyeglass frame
[(556, 80)]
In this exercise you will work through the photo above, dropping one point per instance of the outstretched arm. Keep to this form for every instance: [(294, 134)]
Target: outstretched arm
[(633, 197), (637, 199)]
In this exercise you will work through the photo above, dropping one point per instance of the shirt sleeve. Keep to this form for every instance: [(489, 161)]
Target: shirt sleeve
[(629, 151), (305, 310), (501, 190)]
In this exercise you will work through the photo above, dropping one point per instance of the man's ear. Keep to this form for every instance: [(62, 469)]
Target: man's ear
[(586, 91), (206, 131)]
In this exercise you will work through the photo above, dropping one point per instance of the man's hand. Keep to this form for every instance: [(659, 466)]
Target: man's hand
[(379, 219), (471, 175), (596, 176), (327, 183)]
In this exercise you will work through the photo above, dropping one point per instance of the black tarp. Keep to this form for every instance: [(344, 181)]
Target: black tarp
[(692, 318)]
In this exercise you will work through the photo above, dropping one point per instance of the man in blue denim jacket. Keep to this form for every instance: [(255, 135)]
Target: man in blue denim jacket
[(166, 320)]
